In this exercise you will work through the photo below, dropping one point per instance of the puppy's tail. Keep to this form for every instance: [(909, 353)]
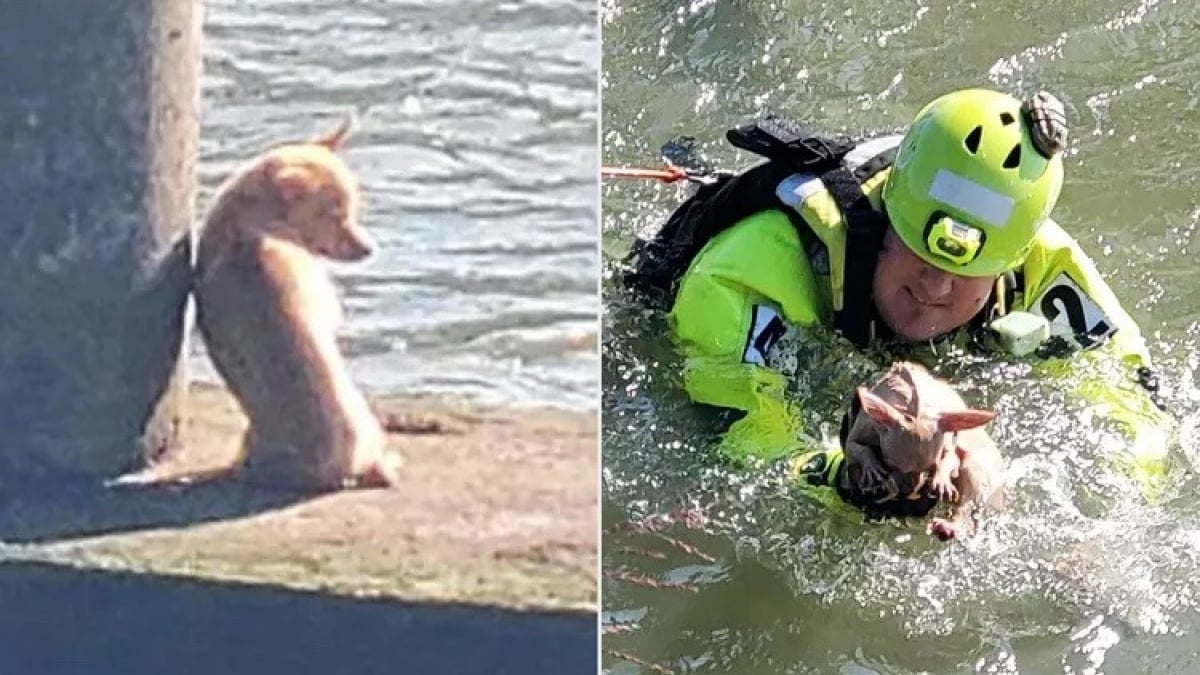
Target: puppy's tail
[(334, 139)]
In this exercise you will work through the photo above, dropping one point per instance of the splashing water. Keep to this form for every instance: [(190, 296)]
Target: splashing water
[(1080, 573)]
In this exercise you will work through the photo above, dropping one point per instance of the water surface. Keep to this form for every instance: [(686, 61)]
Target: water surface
[(476, 149), (711, 570)]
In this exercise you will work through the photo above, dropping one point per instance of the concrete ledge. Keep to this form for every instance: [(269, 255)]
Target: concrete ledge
[(498, 507)]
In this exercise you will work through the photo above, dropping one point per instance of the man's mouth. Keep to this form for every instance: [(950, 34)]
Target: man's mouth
[(922, 301)]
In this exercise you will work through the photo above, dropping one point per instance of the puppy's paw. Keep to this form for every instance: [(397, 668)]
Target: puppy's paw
[(944, 488), (872, 476), (943, 529), (382, 473)]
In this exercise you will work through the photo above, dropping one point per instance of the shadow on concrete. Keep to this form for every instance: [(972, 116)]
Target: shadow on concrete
[(34, 510), (60, 621)]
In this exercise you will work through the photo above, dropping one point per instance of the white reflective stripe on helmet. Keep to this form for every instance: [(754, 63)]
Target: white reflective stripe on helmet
[(971, 198)]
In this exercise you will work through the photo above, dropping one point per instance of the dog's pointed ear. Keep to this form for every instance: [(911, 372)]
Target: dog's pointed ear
[(269, 166), (961, 420), (334, 139), (878, 409)]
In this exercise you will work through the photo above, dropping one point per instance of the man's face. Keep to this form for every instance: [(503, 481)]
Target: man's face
[(919, 301)]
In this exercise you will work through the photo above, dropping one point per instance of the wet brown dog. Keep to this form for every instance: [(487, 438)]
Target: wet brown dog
[(915, 430), (269, 313)]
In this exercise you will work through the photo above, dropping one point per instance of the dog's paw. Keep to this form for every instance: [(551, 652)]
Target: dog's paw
[(944, 488), (872, 476), (943, 529), (382, 473)]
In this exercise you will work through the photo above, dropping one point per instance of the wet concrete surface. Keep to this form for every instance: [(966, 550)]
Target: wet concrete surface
[(57, 620)]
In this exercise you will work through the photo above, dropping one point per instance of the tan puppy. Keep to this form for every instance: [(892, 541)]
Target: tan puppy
[(915, 427), (269, 314)]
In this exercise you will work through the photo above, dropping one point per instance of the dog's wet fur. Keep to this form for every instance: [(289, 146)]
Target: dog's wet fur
[(916, 439)]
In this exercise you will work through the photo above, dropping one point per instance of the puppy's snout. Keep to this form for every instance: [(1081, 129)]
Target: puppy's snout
[(358, 249), (353, 247)]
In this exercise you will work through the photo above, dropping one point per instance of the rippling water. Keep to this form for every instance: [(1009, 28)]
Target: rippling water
[(476, 149), (713, 571)]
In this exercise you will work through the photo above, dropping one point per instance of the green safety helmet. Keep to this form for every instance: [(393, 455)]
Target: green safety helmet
[(974, 178)]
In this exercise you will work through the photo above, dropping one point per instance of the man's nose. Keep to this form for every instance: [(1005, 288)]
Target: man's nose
[(935, 283)]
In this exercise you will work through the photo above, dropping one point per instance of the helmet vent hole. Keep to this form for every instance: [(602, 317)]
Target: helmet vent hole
[(973, 138), (1007, 118), (1014, 158)]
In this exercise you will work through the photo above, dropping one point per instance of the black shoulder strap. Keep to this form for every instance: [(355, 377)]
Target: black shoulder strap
[(784, 141), (659, 262), (865, 228), (656, 264), (789, 143)]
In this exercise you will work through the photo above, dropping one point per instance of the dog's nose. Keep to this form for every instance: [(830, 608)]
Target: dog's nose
[(355, 247), (360, 249)]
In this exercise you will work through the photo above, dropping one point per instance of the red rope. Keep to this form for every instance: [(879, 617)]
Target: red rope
[(671, 174)]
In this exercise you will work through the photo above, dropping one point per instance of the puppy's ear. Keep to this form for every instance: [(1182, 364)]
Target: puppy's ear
[(333, 140), (268, 167), (880, 410), (961, 420)]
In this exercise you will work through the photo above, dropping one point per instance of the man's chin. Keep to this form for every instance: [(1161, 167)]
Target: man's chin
[(915, 337), (912, 331)]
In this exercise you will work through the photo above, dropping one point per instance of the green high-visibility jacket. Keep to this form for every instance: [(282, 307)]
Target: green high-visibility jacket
[(756, 276)]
